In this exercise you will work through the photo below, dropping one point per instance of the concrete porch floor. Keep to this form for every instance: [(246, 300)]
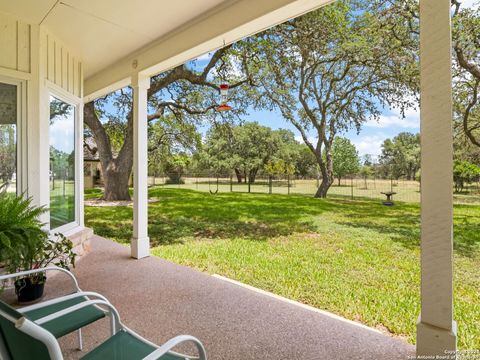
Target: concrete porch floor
[(160, 300)]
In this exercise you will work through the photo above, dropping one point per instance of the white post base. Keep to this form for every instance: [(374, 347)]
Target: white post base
[(433, 341), (140, 248)]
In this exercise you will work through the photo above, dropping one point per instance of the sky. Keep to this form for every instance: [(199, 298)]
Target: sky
[(367, 141), (372, 134)]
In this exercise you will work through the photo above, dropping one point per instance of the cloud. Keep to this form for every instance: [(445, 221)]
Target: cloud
[(369, 144), (394, 119), (470, 3), (311, 139)]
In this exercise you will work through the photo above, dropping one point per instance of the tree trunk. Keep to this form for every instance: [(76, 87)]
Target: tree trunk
[(239, 176), (116, 184), (252, 175), (326, 168), (339, 178), (116, 171), (323, 188)]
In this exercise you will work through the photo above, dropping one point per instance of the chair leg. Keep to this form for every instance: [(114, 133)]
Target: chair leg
[(80, 340)]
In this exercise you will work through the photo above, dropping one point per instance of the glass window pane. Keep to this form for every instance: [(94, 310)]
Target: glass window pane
[(62, 163), (8, 138)]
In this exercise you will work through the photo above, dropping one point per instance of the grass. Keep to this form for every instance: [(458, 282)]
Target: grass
[(406, 191), (62, 203), (358, 259)]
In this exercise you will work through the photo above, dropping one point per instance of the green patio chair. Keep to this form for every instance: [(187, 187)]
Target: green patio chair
[(24, 339), (70, 322)]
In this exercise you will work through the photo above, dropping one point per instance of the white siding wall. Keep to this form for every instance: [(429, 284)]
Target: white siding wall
[(32, 54), (60, 66), (15, 38)]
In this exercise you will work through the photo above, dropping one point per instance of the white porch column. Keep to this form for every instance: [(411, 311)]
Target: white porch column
[(140, 245), (436, 330)]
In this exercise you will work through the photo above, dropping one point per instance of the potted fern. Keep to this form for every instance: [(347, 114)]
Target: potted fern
[(25, 245)]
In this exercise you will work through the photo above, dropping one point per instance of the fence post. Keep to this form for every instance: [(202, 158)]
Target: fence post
[(351, 186), (269, 184), (231, 183), (288, 183), (248, 184)]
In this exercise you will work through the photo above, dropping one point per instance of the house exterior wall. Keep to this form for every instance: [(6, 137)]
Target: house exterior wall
[(41, 65), (15, 43)]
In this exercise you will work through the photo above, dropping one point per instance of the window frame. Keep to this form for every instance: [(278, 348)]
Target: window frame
[(20, 133), (61, 94)]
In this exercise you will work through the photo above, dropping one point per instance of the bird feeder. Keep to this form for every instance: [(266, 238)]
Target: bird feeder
[(224, 98)]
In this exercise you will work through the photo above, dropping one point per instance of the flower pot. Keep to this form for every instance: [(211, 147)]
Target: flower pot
[(28, 290)]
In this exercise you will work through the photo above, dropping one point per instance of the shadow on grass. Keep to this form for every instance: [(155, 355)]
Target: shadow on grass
[(402, 224), (181, 214)]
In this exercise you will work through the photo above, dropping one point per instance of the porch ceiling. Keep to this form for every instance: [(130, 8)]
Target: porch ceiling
[(101, 32)]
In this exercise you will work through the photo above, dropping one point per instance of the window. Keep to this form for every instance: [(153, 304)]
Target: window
[(62, 163), (8, 137)]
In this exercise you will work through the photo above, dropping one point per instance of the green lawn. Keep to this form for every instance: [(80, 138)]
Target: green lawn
[(357, 259), (406, 190)]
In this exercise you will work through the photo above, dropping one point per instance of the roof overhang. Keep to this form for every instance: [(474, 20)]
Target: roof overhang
[(225, 24)]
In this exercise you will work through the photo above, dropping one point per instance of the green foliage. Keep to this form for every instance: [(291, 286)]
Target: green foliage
[(345, 158), (24, 245), (466, 84), (167, 138), (279, 167), (175, 167), (401, 156), (19, 223), (306, 164), (8, 154), (62, 164), (248, 149), (332, 70), (464, 172)]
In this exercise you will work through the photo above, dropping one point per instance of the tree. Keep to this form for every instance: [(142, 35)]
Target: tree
[(466, 46), (168, 138), (189, 94), (176, 166), (8, 154), (404, 17), (401, 156), (332, 70), (345, 158), (464, 173), (245, 148), (306, 163)]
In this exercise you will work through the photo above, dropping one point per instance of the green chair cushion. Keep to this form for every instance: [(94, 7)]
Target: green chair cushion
[(67, 323), (20, 346), (124, 346)]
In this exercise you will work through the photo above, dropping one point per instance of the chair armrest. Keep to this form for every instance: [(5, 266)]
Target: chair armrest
[(57, 300), (71, 309), (35, 271), (170, 344)]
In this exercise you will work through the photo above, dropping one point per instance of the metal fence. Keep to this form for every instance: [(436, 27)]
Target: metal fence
[(350, 187)]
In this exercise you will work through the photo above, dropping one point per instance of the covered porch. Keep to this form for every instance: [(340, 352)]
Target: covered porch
[(54, 49), (159, 300)]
